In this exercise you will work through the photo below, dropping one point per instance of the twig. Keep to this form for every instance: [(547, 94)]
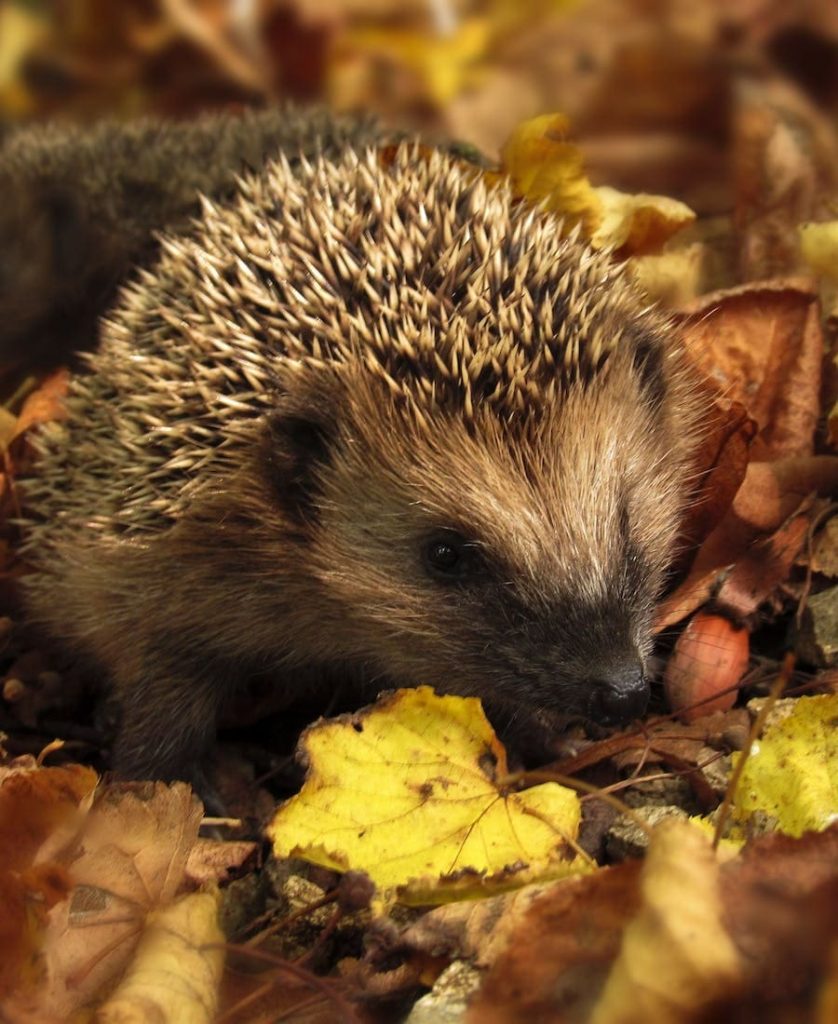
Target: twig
[(322, 985), (776, 691)]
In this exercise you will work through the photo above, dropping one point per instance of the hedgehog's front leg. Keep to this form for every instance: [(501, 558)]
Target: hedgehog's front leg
[(168, 723)]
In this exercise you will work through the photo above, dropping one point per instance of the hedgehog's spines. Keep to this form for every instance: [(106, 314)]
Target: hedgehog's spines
[(467, 305)]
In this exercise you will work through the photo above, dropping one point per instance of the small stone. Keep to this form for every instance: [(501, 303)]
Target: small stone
[(816, 641), (672, 791), (779, 712), (447, 1002), (626, 839), (825, 554), (717, 773)]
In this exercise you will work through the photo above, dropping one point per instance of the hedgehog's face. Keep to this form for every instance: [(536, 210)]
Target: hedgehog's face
[(517, 565)]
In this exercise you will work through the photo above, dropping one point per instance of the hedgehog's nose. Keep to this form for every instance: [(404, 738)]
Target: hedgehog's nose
[(620, 695)]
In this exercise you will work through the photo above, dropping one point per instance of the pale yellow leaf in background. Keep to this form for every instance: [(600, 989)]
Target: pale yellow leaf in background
[(407, 792), (638, 223), (176, 971), (444, 64), (670, 278), (676, 956), (819, 247), (20, 31), (792, 772), (544, 167)]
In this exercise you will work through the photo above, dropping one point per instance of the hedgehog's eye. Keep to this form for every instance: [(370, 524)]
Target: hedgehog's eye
[(446, 555)]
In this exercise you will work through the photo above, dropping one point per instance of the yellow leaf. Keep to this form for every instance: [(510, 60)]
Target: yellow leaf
[(444, 63), (407, 792), (819, 247), (670, 278), (728, 846), (447, 63), (20, 32), (792, 772), (638, 223), (544, 167), (679, 925), (176, 970)]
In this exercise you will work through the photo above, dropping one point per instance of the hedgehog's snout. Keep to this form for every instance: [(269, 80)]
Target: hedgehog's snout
[(619, 694)]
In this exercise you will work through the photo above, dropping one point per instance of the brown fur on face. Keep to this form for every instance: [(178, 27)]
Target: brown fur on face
[(346, 364)]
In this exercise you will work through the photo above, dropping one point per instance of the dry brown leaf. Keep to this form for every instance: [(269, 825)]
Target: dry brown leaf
[(785, 168), (769, 495), (557, 957), (129, 861), (735, 933), (211, 860), (8, 422), (779, 900), (667, 746), (772, 491), (763, 567), (763, 346), (719, 465), (660, 739), (271, 996), (44, 404), (680, 923), (41, 809), (700, 585)]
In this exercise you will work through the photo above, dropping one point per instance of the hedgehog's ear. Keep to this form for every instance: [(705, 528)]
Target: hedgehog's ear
[(648, 360), (297, 444)]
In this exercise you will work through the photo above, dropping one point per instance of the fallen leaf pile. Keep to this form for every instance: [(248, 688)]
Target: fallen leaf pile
[(401, 798)]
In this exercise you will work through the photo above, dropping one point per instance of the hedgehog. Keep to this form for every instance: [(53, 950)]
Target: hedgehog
[(81, 206), (373, 421)]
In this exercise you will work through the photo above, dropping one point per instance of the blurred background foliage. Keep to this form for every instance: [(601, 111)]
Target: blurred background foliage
[(656, 90)]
